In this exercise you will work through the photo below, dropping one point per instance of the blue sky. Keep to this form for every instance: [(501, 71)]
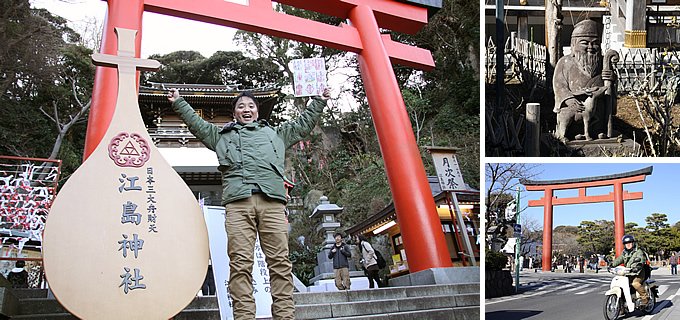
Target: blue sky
[(661, 193)]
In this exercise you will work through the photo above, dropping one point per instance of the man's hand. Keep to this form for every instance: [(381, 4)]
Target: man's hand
[(326, 94), (575, 104), (173, 94), (597, 92)]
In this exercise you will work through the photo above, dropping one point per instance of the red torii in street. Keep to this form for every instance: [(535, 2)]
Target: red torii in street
[(416, 211), (618, 197)]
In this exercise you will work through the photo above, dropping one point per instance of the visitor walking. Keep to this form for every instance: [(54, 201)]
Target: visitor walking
[(340, 254), (370, 261), (673, 261)]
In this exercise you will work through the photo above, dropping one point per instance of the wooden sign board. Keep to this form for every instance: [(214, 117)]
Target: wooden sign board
[(125, 238), (448, 171)]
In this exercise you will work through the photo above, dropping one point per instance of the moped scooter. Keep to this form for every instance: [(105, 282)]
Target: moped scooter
[(622, 298)]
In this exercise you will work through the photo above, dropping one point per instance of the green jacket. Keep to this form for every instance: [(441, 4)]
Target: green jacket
[(253, 154), (634, 259)]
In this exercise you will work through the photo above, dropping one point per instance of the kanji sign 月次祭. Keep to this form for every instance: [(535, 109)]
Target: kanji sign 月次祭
[(448, 172)]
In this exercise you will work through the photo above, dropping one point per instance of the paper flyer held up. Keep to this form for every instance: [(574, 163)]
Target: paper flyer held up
[(309, 76)]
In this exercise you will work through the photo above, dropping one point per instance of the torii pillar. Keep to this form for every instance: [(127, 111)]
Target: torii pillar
[(416, 211), (618, 196)]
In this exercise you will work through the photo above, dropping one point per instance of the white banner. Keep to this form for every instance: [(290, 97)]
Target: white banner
[(217, 235)]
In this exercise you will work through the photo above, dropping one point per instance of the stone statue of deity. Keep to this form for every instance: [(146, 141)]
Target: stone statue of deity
[(584, 89)]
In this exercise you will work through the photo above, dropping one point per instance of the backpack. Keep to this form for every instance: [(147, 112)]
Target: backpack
[(381, 261), (378, 257)]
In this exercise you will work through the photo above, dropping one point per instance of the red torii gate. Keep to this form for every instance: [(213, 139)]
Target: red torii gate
[(421, 229), (618, 197)]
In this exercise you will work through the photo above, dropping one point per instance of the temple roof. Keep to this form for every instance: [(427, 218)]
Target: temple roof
[(388, 213), (203, 95), (644, 171)]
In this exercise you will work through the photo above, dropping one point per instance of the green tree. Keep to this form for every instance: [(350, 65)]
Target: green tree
[(46, 80), (596, 236), (223, 67), (657, 240)]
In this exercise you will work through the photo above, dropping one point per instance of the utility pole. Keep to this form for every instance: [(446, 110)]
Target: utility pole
[(518, 242)]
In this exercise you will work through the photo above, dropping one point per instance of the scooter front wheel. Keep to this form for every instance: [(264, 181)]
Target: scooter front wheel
[(612, 307)]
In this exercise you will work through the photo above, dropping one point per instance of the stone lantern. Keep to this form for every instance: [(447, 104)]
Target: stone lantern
[(329, 224), (326, 211)]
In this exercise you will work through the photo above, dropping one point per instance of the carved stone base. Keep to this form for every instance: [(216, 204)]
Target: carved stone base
[(612, 147)]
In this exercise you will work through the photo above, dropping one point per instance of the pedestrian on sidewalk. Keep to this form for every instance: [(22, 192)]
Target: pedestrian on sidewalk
[(340, 254), (673, 261)]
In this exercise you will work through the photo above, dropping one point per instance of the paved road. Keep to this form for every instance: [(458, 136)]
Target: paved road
[(574, 296)]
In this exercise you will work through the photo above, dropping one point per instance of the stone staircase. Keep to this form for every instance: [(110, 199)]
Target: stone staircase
[(440, 302), (436, 302)]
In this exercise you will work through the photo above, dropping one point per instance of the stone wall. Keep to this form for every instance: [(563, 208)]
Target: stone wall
[(498, 283)]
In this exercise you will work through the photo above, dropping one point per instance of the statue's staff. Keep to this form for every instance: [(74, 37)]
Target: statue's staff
[(611, 57)]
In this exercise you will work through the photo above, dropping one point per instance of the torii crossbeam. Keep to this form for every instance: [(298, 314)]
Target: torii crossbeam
[(416, 212), (618, 197)]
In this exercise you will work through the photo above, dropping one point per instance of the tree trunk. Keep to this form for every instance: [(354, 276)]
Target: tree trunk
[(553, 26), (57, 145)]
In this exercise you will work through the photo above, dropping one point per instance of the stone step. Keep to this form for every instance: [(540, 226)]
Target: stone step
[(52, 306), (29, 293), (465, 313), (462, 313), (203, 314), (387, 306), (383, 293), (355, 304), (40, 306), (46, 316)]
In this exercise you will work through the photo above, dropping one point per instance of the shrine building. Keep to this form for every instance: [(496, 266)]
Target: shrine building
[(385, 223)]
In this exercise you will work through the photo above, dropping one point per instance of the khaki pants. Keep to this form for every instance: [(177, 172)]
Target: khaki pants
[(245, 219), (638, 284), (342, 281)]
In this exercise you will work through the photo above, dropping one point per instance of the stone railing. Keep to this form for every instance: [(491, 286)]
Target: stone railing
[(637, 68)]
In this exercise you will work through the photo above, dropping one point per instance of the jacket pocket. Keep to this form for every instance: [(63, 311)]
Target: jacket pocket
[(225, 155)]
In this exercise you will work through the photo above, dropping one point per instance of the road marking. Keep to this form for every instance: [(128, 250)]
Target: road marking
[(656, 310), (573, 289), (662, 289), (528, 295), (586, 291), (661, 306)]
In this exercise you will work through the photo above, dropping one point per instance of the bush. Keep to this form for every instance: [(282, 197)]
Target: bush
[(495, 261)]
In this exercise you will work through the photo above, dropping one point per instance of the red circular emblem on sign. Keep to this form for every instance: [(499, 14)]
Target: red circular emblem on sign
[(129, 150)]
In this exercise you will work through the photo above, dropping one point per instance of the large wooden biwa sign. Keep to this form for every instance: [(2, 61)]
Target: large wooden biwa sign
[(125, 238)]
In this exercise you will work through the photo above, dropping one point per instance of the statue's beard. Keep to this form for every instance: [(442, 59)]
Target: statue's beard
[(589, 62)]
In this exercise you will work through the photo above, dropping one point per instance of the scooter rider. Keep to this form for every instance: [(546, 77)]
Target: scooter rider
[(634, 258)]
